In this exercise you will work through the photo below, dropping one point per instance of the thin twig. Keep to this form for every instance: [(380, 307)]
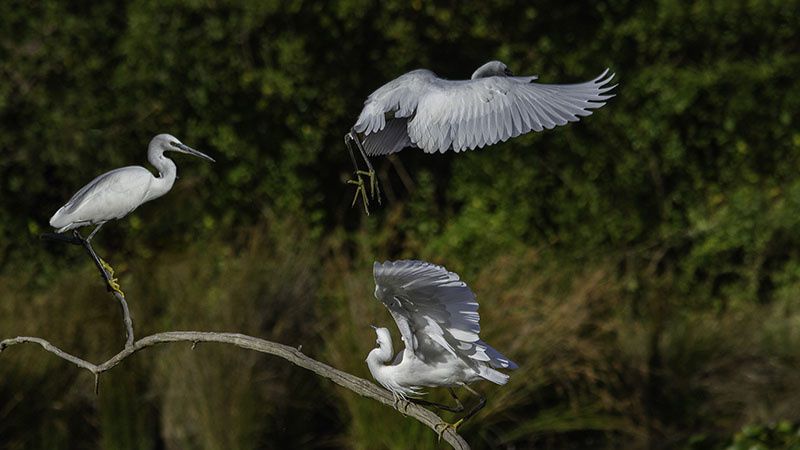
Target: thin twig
[(358, 385)]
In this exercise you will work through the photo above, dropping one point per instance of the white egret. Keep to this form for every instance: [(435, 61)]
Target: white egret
[(115, 194), (437, 315), (419, 109)]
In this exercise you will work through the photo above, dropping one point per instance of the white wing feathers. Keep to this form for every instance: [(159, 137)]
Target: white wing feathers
[(431, 304), (398, 97), (392, 139), (466, 114)]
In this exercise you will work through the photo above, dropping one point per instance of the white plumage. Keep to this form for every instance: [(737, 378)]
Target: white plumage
[(437, 315), (419, 109), (115, 194)]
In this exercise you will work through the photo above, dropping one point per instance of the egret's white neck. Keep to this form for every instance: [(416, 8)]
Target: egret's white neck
[(167, 172), (378, 358)]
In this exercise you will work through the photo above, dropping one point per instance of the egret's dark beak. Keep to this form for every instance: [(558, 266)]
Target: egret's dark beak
[(186, 149)]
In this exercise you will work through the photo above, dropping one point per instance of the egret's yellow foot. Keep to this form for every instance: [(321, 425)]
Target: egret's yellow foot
[(373, 181), (359, 189), (112, 282), (445, 426), (107, 267)]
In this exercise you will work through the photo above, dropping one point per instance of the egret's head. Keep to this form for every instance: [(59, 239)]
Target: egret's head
[(492, 69), (384, 338), (169, 143)]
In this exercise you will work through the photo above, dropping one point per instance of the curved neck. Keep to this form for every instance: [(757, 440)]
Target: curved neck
[(380, 356), (167, 172)]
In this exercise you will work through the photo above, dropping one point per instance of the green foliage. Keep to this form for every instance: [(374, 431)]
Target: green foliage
[(783, 435), (641, 265)]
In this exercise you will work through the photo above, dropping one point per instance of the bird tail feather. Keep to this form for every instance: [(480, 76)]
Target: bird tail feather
[(492, 375)]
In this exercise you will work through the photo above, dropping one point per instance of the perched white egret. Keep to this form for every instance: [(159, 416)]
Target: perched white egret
[(437, 315), (115, 194), (419, 109)]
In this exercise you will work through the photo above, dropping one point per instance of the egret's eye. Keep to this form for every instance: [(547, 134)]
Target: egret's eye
[(173, 143)]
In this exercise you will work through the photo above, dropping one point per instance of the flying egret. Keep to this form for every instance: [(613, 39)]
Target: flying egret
[(115, 194), (419, 109), (437, 315)]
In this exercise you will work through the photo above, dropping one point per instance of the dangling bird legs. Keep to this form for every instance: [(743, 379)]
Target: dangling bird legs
[(375, 190), (481, 403)]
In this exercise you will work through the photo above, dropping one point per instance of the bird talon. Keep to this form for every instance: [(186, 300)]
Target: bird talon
[(445, 426), (373, 182), (107, 267), (115, 287), (113, 284), (360, 188)]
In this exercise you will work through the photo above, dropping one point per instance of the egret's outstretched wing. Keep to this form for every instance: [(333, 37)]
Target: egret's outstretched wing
[(462, 115), (468, 114), (431, 304)]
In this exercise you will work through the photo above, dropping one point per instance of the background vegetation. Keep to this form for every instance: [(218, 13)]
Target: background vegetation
[(642, 266)]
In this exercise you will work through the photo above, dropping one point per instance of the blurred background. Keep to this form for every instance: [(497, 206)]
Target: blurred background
[(642, 266)]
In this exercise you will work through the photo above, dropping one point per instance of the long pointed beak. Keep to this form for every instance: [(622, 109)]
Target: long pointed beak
[(191, 151)]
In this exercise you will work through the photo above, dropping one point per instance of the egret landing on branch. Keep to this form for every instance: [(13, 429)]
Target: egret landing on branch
[(437, 315), (419, 109), (114, 194)]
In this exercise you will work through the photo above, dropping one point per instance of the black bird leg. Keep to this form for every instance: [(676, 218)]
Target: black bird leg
[(96, 229), (373, 180), (106, 271), (457, 408), (481, 403), (104, 267), (476, 408), (76, 239)]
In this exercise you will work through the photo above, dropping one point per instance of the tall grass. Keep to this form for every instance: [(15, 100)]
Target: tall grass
[(612, 355)]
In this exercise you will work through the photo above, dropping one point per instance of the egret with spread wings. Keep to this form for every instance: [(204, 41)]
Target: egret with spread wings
[(114, 194), (437, 315), (419, 109)]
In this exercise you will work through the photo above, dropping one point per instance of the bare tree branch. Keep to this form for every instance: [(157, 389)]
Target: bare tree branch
[(358, 385)]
